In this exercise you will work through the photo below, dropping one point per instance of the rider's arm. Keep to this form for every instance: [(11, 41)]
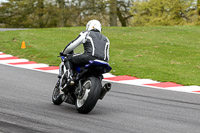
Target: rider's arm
[(107, 49), (73, 44)]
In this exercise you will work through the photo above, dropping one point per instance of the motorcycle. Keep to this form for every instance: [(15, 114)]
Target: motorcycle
[(87, 88)]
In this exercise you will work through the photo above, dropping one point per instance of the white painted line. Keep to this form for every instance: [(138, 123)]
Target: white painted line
[(138, 81), (13, 61), (30, 66), (52, 71), (5, 55), (185, 88), (108, 75)]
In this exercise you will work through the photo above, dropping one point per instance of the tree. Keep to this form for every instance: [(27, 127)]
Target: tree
[(123, 11), (61, 4), (94, 9), (40, 12), (198, 7), (30, 13), (161, 12), (60, 13), (113, 12), (17, 13)]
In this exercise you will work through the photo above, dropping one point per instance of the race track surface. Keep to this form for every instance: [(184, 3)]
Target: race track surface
[(26, 107)]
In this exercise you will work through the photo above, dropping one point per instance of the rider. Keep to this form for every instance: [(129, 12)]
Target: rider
[(96, 46)]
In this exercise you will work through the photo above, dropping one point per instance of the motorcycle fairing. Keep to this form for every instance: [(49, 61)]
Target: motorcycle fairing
[(98, 66)]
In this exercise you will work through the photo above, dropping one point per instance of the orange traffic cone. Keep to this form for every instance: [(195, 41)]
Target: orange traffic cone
[(23, 45)]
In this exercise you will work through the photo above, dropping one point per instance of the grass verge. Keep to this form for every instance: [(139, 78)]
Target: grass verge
[(163, 53)]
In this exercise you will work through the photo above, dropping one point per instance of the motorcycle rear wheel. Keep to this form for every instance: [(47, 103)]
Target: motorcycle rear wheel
[(90, 95)]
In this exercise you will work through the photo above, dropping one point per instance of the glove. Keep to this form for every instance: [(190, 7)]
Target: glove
[(61, 54)]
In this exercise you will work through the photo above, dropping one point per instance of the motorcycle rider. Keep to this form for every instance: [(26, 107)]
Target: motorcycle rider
[(96, 46)]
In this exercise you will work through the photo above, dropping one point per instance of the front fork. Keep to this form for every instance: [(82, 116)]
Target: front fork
[(63, 74)]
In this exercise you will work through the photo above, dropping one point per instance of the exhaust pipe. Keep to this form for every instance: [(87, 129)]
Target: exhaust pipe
[(104, 90)]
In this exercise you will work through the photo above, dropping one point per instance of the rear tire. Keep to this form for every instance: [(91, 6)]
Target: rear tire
[(57, 97), (91, 92)]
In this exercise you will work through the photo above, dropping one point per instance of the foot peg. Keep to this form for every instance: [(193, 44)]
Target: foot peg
[(105, 89)]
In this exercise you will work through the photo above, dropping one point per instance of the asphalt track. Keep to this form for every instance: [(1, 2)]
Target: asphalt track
[(26, 107)]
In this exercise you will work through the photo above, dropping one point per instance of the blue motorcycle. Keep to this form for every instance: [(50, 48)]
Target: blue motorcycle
[(87, 88)]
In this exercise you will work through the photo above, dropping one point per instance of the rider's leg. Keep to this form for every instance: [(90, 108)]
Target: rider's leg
[(77, 60), (81, 59)]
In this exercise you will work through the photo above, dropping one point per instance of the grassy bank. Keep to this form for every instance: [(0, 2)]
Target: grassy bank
[(159, 53)]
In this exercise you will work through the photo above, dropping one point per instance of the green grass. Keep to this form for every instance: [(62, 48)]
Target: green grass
[(164, 53)]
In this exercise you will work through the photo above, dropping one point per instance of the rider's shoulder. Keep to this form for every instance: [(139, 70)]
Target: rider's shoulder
[(84, 32)]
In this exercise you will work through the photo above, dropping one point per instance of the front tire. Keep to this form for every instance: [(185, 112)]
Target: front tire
[(90, 95), (57, 96)]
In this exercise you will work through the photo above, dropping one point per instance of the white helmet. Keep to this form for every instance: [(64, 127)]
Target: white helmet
[(93, 24)]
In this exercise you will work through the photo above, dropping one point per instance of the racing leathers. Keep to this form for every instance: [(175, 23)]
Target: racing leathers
[(96, 46)]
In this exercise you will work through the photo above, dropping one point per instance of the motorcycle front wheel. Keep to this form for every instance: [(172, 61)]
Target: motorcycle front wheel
[(91, 90), (57, 96)]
